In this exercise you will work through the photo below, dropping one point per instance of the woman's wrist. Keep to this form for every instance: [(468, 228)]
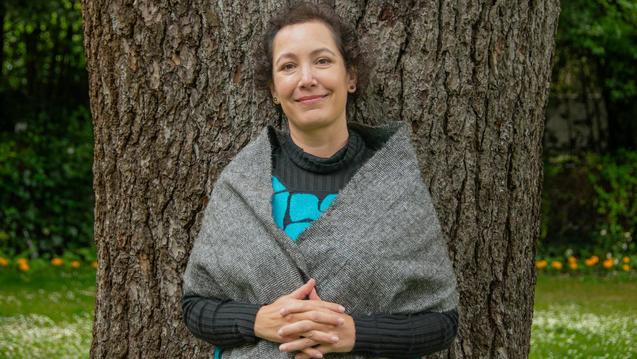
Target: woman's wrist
[(348, 340), (260, 330)]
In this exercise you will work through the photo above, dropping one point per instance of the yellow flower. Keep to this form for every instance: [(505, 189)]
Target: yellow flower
[(572, 259), (594, 259), (75, 264), (94, 264), (608, 263), (626, 260), (589, 262), (57, 261), (23, 266), (3, 262), (556, 264), (540, 264), (626, 267), (573, 265), (22, 260)]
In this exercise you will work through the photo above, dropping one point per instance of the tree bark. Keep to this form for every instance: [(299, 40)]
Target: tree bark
[(173, 101)]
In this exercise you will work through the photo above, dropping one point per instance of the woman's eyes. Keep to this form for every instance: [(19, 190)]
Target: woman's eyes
[(287, 67), (291, 66), (323, 61)]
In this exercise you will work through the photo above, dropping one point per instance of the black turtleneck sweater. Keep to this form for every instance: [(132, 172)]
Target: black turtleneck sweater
[(227, 323), (305, 185)]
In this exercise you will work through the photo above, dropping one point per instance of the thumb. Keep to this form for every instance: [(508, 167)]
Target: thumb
[(314, 295), (304, 290)]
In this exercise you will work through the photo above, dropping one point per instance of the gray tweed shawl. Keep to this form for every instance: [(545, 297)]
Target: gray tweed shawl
[(377, 248)]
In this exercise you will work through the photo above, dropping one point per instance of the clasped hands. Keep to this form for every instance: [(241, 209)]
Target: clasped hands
[(309, 327)]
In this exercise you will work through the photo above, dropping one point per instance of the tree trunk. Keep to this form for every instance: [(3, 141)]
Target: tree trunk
[(173, 101)]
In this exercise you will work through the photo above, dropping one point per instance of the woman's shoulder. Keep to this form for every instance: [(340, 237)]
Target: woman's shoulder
[(376, 136), (254, 157)]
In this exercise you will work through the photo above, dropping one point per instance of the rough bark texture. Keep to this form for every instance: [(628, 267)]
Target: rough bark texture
[(173, 101)]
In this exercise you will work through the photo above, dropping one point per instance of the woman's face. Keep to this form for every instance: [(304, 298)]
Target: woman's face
[(309, 76)]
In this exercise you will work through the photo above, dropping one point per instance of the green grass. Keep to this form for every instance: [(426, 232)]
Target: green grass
[(585, 317), (48, 314)]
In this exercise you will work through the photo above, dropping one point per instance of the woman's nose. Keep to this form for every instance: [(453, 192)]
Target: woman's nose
[(307, 76)]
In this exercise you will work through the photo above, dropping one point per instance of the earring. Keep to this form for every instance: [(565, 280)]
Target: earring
[(352, 88), (276, 100)]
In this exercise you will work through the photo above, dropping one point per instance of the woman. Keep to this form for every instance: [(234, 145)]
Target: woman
[(320, 239)]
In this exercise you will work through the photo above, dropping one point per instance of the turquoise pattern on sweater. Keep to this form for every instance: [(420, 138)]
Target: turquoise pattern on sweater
[(301, 207)]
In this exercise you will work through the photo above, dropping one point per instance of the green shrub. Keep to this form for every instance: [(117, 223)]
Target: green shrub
[(614, 180), (46, 184), (589, 204)]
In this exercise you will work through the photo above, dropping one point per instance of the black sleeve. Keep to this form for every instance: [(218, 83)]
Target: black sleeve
[(405, 335), (225, 323)]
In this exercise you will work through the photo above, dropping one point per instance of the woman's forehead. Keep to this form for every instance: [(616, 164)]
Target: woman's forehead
[(306, 37)]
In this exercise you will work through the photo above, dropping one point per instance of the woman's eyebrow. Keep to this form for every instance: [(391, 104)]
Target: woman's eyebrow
[(314, 52)]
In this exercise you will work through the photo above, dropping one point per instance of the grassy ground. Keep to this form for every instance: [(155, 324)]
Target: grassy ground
[(585, 317), (48, 315)]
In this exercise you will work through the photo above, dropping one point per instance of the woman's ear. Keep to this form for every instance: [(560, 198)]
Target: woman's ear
[(275, 99), (352, 79), (272, 92)]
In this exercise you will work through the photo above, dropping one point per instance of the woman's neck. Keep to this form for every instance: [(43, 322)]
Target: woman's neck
[(322, 142)]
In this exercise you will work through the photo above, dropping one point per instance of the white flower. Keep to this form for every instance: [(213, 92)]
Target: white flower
[(20, 126), (565, 325)]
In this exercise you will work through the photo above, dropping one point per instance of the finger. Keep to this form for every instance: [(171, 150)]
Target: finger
[(310, 352), (321, 337), (318, 316), (294, 329), (314, 295), (304, 290), (303, 355), (306, 305), (310, 329), (297, 345), (322, 349)]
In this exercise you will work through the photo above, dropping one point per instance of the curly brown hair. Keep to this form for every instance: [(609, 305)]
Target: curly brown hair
[(344, 36)]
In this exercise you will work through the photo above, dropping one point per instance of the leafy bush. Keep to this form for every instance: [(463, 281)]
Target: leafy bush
[(46, 184), (596, 52), (614, 180), (590, 204)]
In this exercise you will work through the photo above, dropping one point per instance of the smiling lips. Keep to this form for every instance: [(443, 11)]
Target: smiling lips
[(310, 99)]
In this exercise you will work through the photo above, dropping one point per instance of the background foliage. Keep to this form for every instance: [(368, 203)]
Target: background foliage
[(45, 133), (589, 194), (590, 203), (596, 54)]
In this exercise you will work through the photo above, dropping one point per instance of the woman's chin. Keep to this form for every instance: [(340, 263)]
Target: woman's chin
[(313, 122)]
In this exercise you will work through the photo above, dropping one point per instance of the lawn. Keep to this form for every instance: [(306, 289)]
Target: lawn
[(48, 315), (585, 317)]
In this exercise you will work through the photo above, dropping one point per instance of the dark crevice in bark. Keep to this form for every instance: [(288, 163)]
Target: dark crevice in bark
[(440, 31), (493, 324), (460, 200), (362, 16)]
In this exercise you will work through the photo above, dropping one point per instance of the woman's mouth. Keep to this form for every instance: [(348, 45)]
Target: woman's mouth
[(306, 100)]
